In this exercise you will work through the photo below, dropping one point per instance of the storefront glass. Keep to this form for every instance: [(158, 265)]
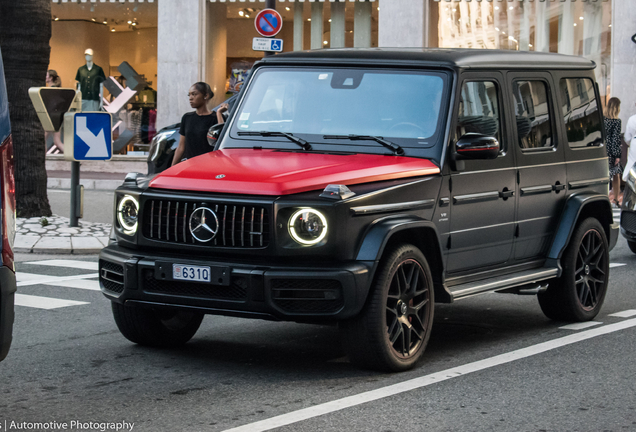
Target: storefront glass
[(566, 27)]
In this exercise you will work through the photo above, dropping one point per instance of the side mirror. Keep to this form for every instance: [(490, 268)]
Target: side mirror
[(476, 146), (214, 132)]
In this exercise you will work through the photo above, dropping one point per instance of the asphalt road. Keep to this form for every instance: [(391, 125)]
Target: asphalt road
[(494, 362)]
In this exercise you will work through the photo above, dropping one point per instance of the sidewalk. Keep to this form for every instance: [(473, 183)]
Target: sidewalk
[(90, 180), (53, 235)]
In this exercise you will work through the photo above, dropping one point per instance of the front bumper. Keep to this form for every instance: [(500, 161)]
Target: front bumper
[(291, 292), (628, 215), (7, 301)]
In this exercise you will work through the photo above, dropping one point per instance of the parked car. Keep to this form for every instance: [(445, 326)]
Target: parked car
[(164, 144), (7, 222), (628, 211), (360, 187)]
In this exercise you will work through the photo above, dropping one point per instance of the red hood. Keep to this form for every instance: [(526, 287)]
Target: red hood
[(269, 172)]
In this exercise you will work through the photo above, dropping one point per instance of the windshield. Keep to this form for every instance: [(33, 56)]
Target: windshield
[(401, 106)]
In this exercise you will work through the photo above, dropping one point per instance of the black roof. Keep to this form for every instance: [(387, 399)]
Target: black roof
[(446, 57)]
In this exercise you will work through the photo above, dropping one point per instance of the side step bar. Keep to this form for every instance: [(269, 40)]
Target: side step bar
[(503, 283)]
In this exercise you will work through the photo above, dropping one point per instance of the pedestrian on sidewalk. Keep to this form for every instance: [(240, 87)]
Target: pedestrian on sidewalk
[(630, 139), (613, 135), (195, 125)]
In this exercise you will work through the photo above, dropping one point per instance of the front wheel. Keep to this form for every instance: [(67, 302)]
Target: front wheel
[(392, 331), (580, 291), (158, 328)]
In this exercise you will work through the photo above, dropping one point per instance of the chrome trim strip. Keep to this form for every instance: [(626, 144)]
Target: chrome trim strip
[(176, 222), (243, 227), (531, 166), (484, 196), (159, 225), (591, 182), (152, 217), (505, 282), (252, 229), (535, 190), (483, 227), (262, 218), (233, 225), (168, 222), (224, 217), (382, 208), (185, 212)]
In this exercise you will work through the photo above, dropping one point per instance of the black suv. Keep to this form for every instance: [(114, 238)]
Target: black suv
[(361, 187)]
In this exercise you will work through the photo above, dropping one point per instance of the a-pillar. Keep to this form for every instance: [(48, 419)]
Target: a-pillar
[(402, 23), (299, 27), (316, 25), (362, 24), (180, 56), (337, 24), (216, 51), (623, 84)]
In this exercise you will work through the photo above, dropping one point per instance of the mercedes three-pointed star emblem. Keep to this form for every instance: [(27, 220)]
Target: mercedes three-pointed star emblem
[(203, 224)]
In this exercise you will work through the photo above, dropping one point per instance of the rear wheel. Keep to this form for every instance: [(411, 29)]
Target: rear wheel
[(580, 291), (632, 245), (159, 328), (392, 331)]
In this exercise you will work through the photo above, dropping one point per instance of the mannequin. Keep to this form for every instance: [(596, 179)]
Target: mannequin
[(90, 80)]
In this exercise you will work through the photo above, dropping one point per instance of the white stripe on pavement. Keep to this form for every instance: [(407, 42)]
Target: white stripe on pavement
[(44, 302), (612, 265), (25, 279), (85, 265), (581, 325), (624, 314), (416, 383)]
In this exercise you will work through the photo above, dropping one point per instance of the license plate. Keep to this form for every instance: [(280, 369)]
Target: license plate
[(191, 273)]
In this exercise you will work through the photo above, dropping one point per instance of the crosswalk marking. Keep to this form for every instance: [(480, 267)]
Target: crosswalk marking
[(44, 302), (25, 279), (85, 265), (612, 265), (581, 325), (624, 314)]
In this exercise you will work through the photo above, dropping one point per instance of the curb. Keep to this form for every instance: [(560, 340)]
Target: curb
[(64, 183)]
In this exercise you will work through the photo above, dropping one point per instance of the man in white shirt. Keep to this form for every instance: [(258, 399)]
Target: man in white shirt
[(630, 139)]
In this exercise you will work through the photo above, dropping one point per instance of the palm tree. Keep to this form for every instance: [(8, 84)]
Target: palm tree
[(25, 31)]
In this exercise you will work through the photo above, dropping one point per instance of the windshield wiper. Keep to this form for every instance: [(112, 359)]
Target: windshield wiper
[(301, 142), (388, 144)]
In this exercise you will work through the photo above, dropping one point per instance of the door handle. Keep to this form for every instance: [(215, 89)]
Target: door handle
[(558, 187), (505, 194)]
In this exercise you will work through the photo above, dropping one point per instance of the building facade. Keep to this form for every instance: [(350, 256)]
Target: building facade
[(174, 43)]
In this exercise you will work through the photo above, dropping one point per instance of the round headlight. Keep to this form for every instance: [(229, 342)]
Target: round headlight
[(127, 214), (308, 226)]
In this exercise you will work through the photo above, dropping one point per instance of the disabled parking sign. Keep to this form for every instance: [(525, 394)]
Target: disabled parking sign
[(268, 22), (87, 136)]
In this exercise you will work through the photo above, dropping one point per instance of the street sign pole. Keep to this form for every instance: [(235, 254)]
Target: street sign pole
[(270, 4), (75, 192)]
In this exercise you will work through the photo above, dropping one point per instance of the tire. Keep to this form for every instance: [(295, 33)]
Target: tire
[(632, 246), (393, 329), (580, 291), (157, 328)]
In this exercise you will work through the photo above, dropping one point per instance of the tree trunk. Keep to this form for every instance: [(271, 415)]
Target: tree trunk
[(25, 32)]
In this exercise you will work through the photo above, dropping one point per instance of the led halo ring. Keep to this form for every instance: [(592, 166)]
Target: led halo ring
[(128, 229), (295, 235)]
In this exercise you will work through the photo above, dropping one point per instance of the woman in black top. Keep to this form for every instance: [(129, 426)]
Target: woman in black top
[(195, 125), (613, 134)]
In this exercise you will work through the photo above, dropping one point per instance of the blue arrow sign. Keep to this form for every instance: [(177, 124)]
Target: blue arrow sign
[(92, 136)]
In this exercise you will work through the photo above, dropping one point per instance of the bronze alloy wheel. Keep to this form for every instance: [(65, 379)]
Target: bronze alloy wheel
[(590, 276), (580, 291), (406, 308), (391, 332)]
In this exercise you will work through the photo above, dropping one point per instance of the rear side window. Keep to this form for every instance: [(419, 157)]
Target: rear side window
[(580, 113), (478, 110), (532, 111)]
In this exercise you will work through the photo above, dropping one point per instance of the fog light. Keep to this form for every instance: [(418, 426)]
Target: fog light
[(308, 226), (127, 214)]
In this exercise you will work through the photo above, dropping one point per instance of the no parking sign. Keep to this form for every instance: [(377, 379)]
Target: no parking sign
[(268, 22)]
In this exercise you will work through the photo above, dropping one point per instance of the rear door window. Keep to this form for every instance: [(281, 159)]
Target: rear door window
[(532, 114)]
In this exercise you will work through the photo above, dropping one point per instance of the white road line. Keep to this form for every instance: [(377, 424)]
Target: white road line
[(581, 325), (85, 265), (44, 302), (612, 265), (624, 314), (416, 383), (25, 279)]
